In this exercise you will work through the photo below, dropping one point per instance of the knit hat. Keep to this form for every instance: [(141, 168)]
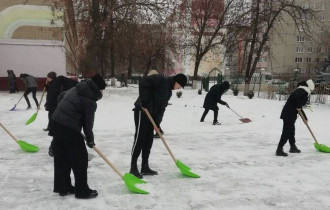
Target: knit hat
[(310, 84), (51, 75), (181, 79), (99, 81)]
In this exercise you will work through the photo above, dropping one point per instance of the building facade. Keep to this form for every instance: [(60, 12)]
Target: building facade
[(34, 39)]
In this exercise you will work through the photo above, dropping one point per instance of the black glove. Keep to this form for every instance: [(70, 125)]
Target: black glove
[(90, 144), (227, 105)]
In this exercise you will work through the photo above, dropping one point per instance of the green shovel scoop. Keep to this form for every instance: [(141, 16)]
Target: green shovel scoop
[(24, 146), (129, 179), (185, 170)]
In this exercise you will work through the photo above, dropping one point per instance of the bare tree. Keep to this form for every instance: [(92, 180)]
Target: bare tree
[(266, 18), (208, 24)]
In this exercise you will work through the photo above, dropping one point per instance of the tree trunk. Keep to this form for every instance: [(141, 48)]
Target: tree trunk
[(197, 63)]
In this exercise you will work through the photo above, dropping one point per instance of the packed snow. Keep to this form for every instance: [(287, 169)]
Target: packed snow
[(236, 161)]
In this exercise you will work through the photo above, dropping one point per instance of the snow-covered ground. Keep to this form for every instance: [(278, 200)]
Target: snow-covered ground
[(236, 161)]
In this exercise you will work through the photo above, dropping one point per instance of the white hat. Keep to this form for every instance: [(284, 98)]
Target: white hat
[(310, 84)]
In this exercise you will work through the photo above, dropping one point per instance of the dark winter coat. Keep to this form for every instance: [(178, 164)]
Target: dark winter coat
[(11, 79), (29, 81), (76, 108), (296, 100), (54, 89), (214, 96), (154, 93), (63, 83)]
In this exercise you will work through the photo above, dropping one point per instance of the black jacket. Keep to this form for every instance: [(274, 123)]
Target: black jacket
[(54, 89), (214, 96), (76, 108), (154, 93), (297, 99)]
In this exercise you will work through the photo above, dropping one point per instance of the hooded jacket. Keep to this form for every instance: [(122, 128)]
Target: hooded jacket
[(296, 100), (29, 81), (154, 93), (76, 108), (214, 96)]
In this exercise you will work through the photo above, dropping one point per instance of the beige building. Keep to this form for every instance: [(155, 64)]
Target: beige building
[(35, 37), (290, 51)]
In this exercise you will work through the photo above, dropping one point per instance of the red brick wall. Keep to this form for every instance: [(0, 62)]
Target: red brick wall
[(20, 84)]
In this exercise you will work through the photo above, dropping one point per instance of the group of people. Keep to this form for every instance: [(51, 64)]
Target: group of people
[(72, 106)]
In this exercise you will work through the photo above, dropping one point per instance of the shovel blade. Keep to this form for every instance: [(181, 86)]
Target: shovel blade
[(185, 170), (245, 120), (130, 182), (32, 119), (27, 147), (322, 148), (12, 109)]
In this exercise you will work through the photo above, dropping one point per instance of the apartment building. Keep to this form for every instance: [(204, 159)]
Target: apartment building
[(290, 51)]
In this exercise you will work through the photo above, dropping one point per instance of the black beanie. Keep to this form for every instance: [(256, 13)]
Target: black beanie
[(51, 75), (181, 79), (99, 81)]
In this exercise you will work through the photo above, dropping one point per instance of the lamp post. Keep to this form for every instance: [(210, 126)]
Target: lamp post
[(260, 77)]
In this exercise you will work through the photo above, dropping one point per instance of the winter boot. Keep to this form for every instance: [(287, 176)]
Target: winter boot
[(50, 152), (29, 107), (145, 170), (134, 170), (216, 123), (91, 194), (280, 152), (294, 149)]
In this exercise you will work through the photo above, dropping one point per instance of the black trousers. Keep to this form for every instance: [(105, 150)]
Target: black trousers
[(70, 154), (143, 137), (27, 92), (215, 118), (288, 133)]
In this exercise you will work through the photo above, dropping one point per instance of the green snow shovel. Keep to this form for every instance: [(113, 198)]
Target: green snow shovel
[(129, 179), (24, 146), (34, 116), (319, 147), (185, 170)]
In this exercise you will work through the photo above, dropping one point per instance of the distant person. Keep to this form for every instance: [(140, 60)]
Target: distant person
[(75, 111), (31, 84), (212, 98), (154, 93), (295, 102), (12, 84)]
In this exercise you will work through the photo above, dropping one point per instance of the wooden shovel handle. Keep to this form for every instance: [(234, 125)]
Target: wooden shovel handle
[(305, 121), (160, 135), (7, 131), (107, 161), (43, 92)]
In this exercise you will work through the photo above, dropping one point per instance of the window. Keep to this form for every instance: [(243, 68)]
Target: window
[(317, 60), (310, 49), (298, 60), (300, 39), (318, 49), (308, 60), (323, 7), (301, 28), (300, 49), (322, 18)]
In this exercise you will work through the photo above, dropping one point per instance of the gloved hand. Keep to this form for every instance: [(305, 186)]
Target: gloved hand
[(90, 144), (227, 105)]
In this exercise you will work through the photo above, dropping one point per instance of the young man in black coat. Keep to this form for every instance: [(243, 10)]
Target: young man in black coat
[(55, 85), (75, 111), (212, 98), (154, 93), (295, 102)]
